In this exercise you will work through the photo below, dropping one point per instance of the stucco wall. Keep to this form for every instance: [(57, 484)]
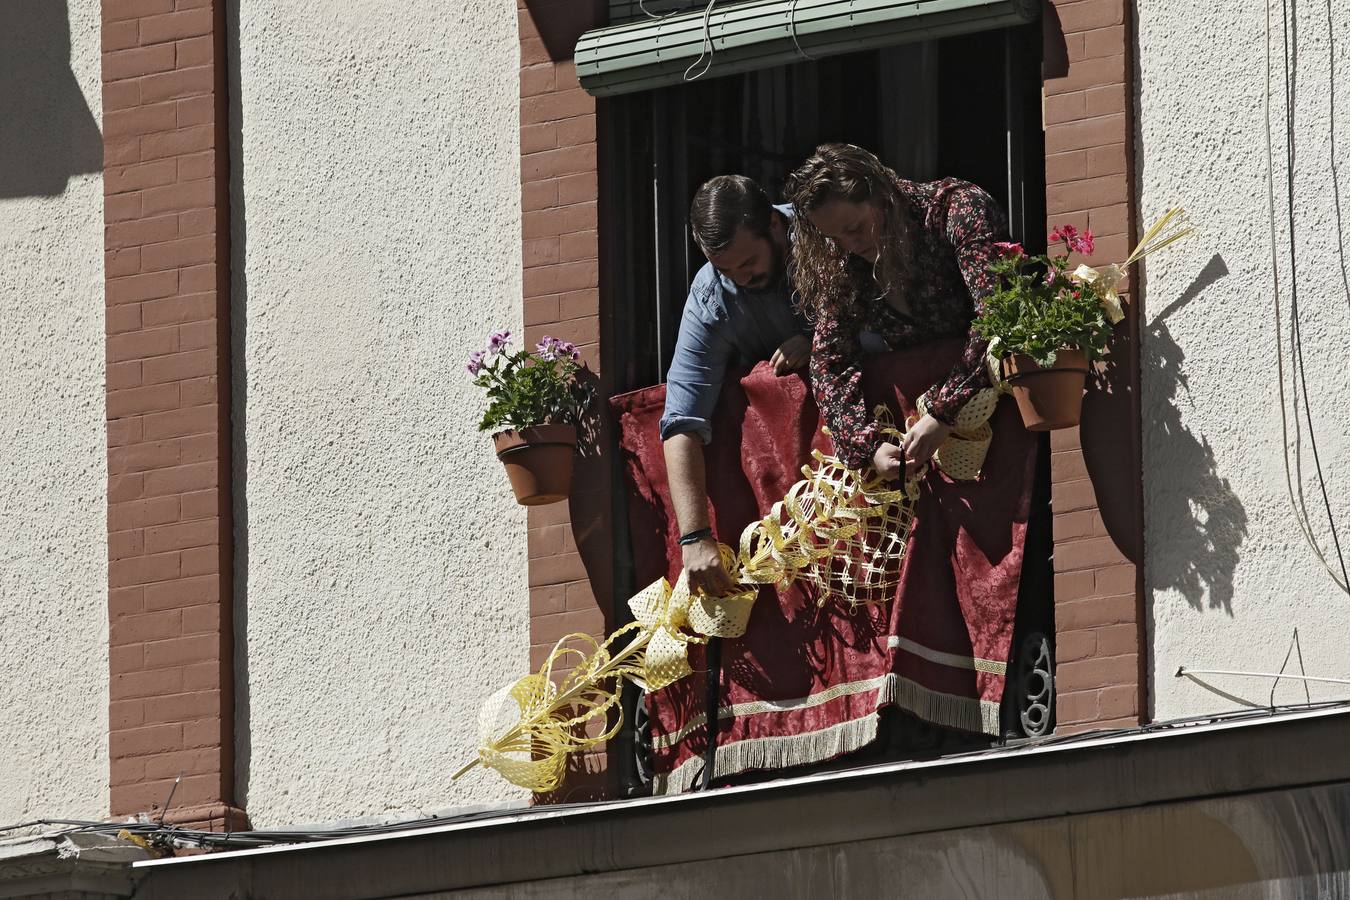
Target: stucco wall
[(53, 470), (1228, 575), (381, 564)]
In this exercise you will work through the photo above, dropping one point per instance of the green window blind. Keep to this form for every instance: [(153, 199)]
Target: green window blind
[(756, 34)]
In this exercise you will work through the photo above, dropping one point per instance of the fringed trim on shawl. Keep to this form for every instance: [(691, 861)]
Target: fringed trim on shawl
[(785, 751), (759, 707), (965, 713), (773, 753)]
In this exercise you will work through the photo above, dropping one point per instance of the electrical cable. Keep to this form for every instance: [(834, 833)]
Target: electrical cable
[(707, 50), (1335, 175), (1293, 645), (1301, 515), (1296, 337), (1184, 672), (642, 5), (792, 29)]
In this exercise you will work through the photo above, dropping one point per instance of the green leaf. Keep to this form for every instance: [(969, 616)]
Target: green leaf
[(1037, 319)]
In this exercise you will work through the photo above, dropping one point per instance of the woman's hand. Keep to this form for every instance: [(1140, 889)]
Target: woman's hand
[(922, 441), (889, 460)]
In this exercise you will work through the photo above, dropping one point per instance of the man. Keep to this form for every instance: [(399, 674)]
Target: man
[(739, 309)]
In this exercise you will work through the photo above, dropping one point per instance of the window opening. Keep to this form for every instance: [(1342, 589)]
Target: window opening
[(966, 106)]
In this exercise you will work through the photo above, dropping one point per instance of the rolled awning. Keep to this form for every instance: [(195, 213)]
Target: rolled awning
[(757, 34)]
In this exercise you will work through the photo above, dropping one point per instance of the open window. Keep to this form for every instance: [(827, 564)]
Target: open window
[(966, 105)]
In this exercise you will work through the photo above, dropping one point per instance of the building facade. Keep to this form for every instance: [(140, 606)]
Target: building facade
[(253, 538)]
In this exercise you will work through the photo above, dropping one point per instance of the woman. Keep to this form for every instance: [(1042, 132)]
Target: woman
[(874, 252)]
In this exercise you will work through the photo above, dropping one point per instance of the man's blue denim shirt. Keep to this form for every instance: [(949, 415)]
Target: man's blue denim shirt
[(722, 324)]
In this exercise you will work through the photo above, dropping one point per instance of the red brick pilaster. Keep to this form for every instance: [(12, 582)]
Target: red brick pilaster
[(168, 375), (570, 544), (1095, 469)]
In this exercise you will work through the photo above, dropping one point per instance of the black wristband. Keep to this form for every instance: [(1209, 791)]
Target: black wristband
[(694, 537)]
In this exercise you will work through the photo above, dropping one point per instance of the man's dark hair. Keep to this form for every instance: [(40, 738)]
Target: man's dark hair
[(724, 204)]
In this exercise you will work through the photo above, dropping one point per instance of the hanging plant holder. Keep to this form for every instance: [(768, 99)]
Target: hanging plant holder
[(1048, 397), (538, 460)]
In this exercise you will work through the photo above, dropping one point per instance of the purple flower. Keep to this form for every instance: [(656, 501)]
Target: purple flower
[(498, 341), (547, 349), (475, 363), (567, 348)]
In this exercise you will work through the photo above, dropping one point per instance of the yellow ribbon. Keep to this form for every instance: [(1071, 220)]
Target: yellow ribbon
[(676, 618), (962, 454), (1106, 279), (530, 728), (1173, 226)]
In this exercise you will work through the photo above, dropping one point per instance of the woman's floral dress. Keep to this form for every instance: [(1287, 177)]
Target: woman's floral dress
[(956, 227)]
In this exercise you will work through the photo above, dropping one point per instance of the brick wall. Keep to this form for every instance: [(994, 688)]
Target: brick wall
[(570, 544), (1095, 468), (167, 307)]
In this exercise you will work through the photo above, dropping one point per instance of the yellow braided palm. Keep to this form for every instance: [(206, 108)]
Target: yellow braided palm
[(842, 531)]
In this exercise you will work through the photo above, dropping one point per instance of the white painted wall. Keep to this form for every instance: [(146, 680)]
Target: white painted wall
[(53, 463), (382, 561), (1228, 574)]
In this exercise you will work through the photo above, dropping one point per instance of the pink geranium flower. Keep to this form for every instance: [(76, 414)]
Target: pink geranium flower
[(1076, 242), (1009, 248)]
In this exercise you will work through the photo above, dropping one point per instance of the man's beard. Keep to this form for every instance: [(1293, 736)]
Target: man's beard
[(776, 272)]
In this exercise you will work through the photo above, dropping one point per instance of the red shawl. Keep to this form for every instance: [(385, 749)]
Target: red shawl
[(805, 683)]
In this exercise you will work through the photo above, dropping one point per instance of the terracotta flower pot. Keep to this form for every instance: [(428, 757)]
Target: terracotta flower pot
[(1048, 398), (538, 461)]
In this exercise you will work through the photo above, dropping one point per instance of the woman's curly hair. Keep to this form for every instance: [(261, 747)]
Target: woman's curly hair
[(826, 278)]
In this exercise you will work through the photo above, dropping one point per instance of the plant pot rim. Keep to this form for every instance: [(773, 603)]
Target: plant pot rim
[(546, 430), (1022, 365), (513, 440)]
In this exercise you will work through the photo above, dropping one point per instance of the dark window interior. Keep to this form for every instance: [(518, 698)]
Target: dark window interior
[(966, 106)]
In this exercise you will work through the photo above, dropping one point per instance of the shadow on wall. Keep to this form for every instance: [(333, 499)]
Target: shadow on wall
[(1108, 437), (561, 22), (1054, 49), (1204, 521), (243, 719), (47, 132)]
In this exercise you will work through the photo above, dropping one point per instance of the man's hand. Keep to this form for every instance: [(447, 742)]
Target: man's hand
[(704, 565), (791, 355), (922, 441), (889, 460)]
